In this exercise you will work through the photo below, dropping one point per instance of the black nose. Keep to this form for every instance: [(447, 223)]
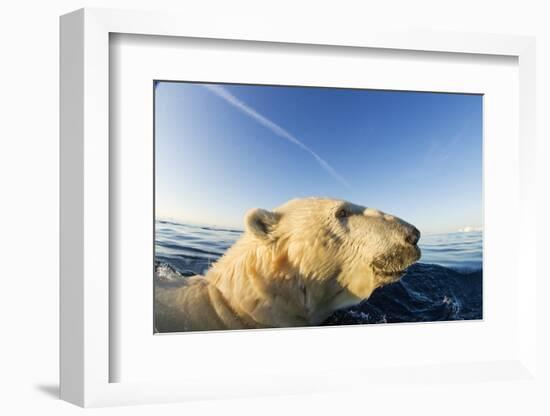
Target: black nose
[(413, 236)]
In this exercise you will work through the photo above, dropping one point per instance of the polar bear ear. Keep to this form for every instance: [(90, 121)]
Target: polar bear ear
[(260, 222)]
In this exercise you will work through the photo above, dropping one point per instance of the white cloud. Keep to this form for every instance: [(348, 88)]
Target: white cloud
[(274, 128)]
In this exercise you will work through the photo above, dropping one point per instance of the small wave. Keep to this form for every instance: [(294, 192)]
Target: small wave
[(189, 250), (449, 249), (453, 304), (226, 230)]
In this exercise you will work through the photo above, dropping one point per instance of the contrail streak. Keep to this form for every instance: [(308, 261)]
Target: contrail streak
[(275, 128)]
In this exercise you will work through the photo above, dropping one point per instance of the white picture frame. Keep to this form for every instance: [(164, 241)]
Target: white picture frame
[(86, 356)]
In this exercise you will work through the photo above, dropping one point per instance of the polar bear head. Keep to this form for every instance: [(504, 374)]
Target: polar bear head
[(335, 253)]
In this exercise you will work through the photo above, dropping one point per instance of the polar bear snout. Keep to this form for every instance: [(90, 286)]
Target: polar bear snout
[(412, 235), (407, 233), (401, 249)]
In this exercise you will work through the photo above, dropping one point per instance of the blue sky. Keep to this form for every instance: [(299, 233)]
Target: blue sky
[(223, 149)]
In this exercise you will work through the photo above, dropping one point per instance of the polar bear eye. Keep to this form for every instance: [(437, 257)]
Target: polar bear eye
[(341, 213)]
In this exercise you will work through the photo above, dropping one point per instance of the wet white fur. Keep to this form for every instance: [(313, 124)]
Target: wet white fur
[(294, 266)]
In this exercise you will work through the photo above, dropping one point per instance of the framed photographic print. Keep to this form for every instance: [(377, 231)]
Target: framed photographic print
[(321, 199), (223, 150)]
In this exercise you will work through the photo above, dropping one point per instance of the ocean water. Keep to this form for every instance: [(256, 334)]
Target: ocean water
[(445, 284)]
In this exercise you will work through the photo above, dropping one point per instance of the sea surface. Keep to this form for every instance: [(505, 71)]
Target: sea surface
[(445, 284)]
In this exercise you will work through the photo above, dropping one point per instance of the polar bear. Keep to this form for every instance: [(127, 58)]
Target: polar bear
[(293, 266)]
